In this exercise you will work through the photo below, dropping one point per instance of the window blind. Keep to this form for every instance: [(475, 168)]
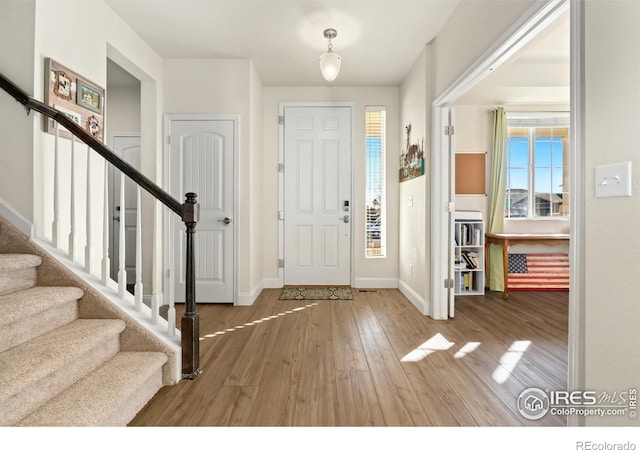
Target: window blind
[(375, 223)]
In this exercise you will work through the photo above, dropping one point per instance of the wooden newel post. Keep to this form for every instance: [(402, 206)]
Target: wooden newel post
[(190, 324)]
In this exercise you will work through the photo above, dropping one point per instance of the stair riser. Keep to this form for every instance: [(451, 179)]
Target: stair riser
[(21, 331), (18, 406), (17, 280)]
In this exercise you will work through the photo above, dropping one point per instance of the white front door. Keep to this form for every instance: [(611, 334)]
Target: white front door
[(127, 148), (317, 195), (201, 160)]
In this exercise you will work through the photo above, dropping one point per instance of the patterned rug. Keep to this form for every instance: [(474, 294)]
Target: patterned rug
[(316, 293)]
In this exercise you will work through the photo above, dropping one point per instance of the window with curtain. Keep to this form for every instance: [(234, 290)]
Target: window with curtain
[(375, 224), (537, 167)]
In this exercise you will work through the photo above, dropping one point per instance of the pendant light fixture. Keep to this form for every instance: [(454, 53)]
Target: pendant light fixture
[(330, 62)]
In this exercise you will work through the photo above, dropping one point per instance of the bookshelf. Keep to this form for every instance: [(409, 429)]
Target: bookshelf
[(469, 233)]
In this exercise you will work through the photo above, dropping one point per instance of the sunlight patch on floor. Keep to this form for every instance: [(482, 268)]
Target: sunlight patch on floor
[(509, 360), (257, 321), (435, 343), (466, 349)]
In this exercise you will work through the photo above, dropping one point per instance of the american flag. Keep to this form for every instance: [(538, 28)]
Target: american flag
[(543, 271)]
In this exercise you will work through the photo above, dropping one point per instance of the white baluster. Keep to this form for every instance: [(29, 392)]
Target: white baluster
[(156, 273), (106, 222), (171, 317), (122, 272), (72, 226), (138, 286), (88, 253), (171, 313), (55, 225)]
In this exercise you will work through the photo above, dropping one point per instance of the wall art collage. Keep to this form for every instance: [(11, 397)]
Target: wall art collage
[(78, 98)]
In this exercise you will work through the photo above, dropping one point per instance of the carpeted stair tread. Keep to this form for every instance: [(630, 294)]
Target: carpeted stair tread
[(15, 261), (99, 397), (18, 272), (25, 364), (29, 302)]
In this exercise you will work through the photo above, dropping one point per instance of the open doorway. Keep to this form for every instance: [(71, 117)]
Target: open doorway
[(123, 114), (533, 87), (531, 30)]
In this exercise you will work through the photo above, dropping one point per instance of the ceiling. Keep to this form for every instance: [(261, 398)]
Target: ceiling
[(379, 40), (538, 74), (273, 33)]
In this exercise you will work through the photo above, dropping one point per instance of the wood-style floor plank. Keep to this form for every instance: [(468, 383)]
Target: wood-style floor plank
[(347, 347), (357, 401), (371, 361), (398, 400)]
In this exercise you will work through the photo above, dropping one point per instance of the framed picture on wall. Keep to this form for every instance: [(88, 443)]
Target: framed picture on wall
[(63, 85), (89, 97), (78, 98)]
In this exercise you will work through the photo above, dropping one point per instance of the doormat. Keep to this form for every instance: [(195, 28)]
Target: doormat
[(317, 293)]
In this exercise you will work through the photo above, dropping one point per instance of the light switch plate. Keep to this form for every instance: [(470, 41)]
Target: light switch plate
[(613, 180), (411, 200)]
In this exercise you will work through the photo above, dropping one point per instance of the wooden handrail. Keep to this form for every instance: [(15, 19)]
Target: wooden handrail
[(188, 212)]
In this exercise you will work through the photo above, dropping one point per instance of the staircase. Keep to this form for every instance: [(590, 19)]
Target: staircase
[(67, 358)]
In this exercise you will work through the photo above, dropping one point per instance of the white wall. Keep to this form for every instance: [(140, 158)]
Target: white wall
[(471, 30), (414, 227), (58, 25), (256, 170), (123, 110), (372, 272), (611, 306), (17, 37)]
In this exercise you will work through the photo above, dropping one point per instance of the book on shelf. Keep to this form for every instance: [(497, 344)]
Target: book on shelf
[(466, 281), (468, 260), (475, 258)]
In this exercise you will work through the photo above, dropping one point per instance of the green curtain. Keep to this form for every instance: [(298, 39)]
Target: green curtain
[(497, 190)]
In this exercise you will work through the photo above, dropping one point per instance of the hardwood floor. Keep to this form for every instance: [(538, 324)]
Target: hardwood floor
[(372, 361)]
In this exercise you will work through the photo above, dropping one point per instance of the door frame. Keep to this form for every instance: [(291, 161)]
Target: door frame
[(527, 27), (281, 107), (167, 239)]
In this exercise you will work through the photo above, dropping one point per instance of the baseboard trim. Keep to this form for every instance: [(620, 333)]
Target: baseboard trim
[(16, 219), (420, 303), (376, 283), (248, 298)]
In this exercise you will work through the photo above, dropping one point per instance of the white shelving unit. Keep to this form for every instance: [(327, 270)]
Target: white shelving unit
[(469, 277)]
